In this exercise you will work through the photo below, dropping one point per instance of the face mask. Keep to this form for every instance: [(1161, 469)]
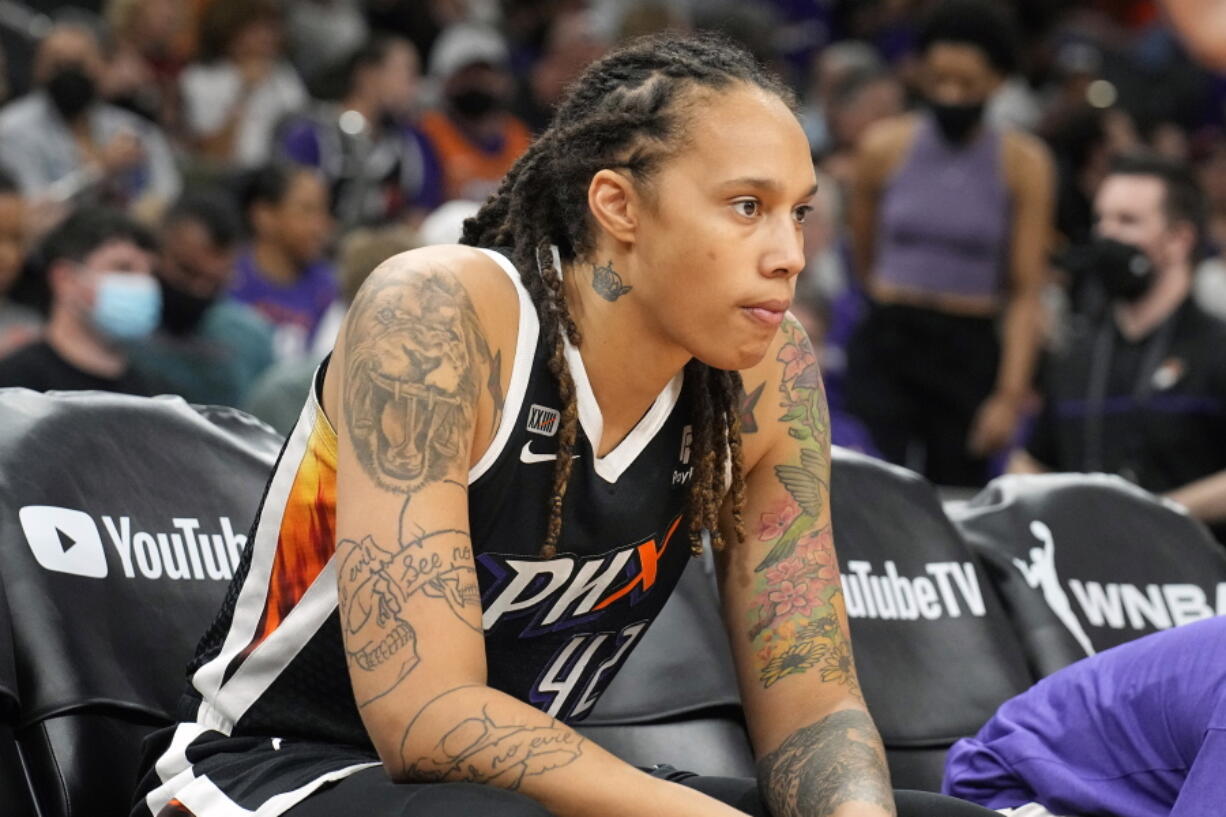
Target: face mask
[(127, 306), (474, 103), (1125, 272), (181, 310), (956, 121), (71, 91)]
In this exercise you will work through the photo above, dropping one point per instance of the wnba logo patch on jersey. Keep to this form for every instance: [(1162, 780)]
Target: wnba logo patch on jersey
[(543, 420)]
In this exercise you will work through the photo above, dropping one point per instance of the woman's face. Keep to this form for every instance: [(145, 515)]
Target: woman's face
[(957, 74), (720, 243)]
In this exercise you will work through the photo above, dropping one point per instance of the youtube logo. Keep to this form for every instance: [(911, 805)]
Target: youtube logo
[(64, 540)]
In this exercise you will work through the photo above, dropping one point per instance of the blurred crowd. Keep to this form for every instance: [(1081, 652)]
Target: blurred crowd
[(192, 190)]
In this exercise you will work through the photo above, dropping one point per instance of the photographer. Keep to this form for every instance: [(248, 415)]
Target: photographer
[(1140, 391)]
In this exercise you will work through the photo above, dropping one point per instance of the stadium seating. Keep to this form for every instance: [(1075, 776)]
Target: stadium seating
[(1086, 562), (933, 649), (122, 521)]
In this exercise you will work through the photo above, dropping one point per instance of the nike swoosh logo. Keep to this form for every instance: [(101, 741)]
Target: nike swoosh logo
[(527, 455)]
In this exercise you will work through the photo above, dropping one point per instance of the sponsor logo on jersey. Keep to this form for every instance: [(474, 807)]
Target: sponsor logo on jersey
[(683, 474), (945, 590), (571, 594), (1112, 605), (66, 540), (543, 420)]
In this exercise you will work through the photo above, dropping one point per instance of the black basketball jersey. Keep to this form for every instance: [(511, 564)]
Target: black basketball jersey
[(270, 677)]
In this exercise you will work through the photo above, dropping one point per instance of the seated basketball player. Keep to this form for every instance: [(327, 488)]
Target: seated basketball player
[(503, 468)]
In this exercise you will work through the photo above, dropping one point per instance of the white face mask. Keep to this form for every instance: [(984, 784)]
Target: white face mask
[(127, 306)]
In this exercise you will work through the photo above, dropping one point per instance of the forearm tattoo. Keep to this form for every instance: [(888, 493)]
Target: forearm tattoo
[(824, 765), (482, 748), (794, 622), (415, 361)]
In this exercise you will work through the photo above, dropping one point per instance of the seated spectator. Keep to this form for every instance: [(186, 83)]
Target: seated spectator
[(1136, 731), (277, 397), (103, 296), (476, 138), (1140, 390), (283, 272), (146, 57), (380, 167), (210, 348), (235, 99), (19, 324), (61, 141)]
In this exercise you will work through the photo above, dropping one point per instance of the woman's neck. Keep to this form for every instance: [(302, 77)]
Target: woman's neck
[(628, 360)]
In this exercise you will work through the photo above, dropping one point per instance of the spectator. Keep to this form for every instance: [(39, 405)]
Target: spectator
[(61, 141), (322, 34), (103, 296), (951, 221), (1141, 390), (142, 73), (234, 101), (210, 348), (571, 43), (19, 324), (283, 272), (278, 396), (1136, 731), (476, 138), (379, 166), (832, 66)]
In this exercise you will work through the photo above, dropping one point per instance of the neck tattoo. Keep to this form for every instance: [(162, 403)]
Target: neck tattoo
[(607, 283)]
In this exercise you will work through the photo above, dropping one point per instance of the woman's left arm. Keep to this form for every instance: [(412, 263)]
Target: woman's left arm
[(1029, 173), (817, 748)]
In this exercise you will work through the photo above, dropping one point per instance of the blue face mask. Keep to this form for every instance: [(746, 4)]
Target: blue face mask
[(128, 305)]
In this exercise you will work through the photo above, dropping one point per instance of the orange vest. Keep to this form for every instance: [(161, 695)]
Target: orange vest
[(469, 172)]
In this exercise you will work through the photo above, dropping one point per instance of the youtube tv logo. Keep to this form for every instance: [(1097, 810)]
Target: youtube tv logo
[(64, 540)]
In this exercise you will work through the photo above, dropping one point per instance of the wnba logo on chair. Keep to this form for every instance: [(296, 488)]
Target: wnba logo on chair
[(66, 540), (1111, 605)]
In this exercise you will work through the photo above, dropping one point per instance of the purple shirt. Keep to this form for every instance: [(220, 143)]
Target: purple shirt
[(1136, 731), (295, 310)]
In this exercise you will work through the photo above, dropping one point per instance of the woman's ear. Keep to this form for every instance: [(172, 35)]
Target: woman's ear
[(615, 204)]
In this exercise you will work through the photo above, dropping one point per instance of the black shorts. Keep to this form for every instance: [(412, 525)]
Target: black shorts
[(915, 378)]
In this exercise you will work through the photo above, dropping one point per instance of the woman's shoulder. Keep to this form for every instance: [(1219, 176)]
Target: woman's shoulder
[(891, 135)]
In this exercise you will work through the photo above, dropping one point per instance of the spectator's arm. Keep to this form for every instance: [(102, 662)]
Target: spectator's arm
[(1021, 462), (874, 160), (1032, 183), (1202, 24), (1204, 498)]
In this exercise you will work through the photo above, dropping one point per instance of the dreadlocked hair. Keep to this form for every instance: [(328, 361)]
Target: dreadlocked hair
[(628, 111)]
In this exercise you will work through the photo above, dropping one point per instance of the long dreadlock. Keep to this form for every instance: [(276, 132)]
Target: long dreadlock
[(624, 112)]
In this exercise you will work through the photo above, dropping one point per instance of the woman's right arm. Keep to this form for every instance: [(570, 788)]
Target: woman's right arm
[(877, 154), (415, 369)]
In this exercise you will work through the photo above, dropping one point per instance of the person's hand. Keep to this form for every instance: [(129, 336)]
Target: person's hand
[(995, 424), (122, 153)]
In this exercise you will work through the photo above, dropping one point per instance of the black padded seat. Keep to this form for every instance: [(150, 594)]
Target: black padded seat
[(1089, 561), (121, 522), (934, 651)]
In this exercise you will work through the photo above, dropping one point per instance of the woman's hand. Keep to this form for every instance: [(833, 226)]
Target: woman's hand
[(995, 424)]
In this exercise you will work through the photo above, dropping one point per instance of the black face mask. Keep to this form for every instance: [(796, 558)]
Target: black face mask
[(1125, 272), (474, 103), (182, 311), (71, 91), (957, 121)]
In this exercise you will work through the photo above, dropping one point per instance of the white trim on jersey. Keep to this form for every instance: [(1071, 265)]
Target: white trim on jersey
[(266, 662), (251, 600), (173, 767), (613, 464), (521, 369)]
